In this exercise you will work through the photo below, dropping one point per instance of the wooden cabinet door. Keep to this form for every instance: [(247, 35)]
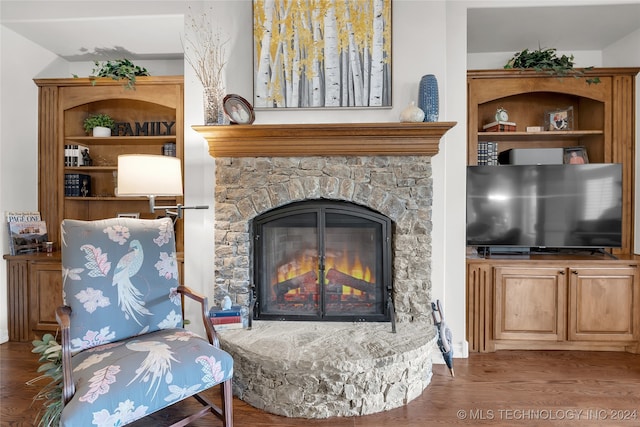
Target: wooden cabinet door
[(45, 295), (529, 303), (603, 304)]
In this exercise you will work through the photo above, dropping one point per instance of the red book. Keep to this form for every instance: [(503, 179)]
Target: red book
[(499, 127), (226, 320)]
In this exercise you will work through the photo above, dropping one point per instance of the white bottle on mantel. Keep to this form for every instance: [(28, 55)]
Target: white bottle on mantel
[(412, 113)]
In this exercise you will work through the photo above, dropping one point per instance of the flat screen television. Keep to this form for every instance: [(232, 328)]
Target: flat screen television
[(545, 206)]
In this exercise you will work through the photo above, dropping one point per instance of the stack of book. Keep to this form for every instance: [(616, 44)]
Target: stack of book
[(223, 320), (169, 149), (499, 127), (487, 153), (77, 185)]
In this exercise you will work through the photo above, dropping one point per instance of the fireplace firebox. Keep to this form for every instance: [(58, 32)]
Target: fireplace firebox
[(322, 260)]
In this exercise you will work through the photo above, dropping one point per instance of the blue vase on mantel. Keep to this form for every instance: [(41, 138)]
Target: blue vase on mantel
[(428, 97)]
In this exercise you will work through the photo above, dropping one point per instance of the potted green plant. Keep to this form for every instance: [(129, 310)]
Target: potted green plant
[(51, 393), (119, 69), (99, 124), (546, 60)]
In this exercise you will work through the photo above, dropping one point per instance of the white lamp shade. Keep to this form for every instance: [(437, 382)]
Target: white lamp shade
[(149, 175)]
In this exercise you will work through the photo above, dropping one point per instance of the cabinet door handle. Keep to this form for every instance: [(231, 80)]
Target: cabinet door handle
[(574, 271), (561, 272)]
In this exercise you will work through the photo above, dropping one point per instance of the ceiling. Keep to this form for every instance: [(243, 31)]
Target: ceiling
[(96, 29), (566, 28), (90, 30)]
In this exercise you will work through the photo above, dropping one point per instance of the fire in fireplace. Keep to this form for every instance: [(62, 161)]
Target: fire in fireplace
[(322, 260)]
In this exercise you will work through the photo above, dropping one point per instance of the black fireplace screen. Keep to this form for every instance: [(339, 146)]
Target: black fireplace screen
[(322, 260)]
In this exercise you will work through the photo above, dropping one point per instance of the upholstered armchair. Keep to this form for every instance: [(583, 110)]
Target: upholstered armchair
[(126, 353)]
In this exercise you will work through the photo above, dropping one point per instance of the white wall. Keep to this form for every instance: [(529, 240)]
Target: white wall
[(18, 137)]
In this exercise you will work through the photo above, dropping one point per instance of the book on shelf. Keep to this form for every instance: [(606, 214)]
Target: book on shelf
[(488, 153), (27, 236), (169, 149), (73, 155), (499, 126), (77, 185)]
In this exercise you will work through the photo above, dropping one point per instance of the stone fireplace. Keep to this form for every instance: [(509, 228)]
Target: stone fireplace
[(317, 369)]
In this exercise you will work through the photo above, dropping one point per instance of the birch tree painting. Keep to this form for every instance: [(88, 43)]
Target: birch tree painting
[(322, 53)]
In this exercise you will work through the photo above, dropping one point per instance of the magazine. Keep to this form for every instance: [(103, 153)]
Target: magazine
[(22, 216), (27, 232), (27, 236)]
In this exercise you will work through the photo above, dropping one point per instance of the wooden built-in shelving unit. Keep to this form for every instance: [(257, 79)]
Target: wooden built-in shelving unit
[(562, 301)]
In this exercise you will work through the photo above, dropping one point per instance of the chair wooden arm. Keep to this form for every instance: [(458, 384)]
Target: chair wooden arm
[(63, 314), (208, 326)]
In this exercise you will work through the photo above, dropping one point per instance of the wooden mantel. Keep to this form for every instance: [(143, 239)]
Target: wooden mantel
[(324, 139)]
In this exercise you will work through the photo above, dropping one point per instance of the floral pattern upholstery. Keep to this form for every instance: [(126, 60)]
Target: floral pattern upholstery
[(132, 356)]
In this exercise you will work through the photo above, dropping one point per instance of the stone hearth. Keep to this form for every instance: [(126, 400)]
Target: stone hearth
[(327, 369), (323, 369)]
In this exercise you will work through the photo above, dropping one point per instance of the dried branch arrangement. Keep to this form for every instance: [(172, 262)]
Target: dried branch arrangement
[(204, 50)]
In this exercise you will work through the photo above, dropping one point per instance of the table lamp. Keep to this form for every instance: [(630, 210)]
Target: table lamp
[(152, 176)]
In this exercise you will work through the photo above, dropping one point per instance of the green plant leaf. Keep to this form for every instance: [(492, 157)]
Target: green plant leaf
[(53, 349), (38, 348), (120, 69), (50, 394), (547, 61)]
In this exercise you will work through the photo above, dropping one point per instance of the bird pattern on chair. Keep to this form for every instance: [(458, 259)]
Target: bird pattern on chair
[(130, 354)]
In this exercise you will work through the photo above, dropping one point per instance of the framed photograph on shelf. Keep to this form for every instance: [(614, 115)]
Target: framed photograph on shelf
[(322, 54), (561, 119), (238, 109), (134, 215), (575, 156)]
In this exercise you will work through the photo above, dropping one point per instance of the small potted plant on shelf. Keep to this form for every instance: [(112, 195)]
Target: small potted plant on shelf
[(99, 125)]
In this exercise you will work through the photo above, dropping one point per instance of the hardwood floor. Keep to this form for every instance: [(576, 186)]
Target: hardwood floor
[(507, 388)]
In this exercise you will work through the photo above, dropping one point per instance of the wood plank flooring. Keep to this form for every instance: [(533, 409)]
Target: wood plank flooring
[(507, 388)]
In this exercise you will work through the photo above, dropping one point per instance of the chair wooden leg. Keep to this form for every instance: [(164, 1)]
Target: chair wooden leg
[(227, 402)]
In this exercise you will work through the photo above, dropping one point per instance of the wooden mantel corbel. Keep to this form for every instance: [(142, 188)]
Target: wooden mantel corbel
[(325, 139)]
